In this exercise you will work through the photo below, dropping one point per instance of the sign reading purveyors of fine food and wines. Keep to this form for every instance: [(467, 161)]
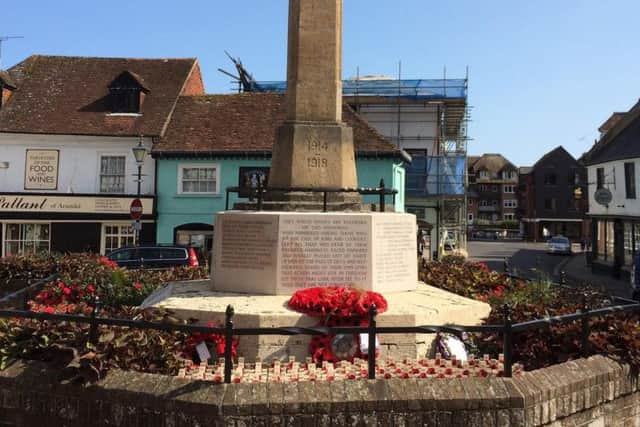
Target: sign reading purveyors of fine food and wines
[(41, 170)]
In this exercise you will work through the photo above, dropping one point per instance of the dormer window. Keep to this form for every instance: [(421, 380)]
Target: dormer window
[(6, 87), (484, 174), (127, 93)]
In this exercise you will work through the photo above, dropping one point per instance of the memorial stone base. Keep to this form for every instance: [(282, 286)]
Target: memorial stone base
[(425, 305), (277, 253)]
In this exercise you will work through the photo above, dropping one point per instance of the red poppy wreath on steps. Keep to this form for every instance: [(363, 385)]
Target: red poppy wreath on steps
[(337, 306)]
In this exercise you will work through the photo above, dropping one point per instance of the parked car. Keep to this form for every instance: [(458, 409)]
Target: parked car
[(559, 245), (155, 257)]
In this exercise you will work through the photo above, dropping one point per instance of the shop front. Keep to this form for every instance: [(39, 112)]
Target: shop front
[(47, 222), (615, 244)]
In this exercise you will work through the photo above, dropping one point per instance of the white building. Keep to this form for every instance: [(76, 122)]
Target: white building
[(614, 173), (68, 125)]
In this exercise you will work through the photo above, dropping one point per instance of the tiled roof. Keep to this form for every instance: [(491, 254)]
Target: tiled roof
[(492, 163), (471, 160), (246, 123), (621, 142), (69, 95), (559, 151), (6, 80)]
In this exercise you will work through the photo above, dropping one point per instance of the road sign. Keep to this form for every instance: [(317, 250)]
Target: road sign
[(603, 197), (136, 209)]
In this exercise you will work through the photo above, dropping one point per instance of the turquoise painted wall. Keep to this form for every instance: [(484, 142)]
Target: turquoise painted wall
[(177, 209)]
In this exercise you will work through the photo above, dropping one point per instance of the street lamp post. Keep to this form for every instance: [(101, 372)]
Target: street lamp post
[(139, 153)]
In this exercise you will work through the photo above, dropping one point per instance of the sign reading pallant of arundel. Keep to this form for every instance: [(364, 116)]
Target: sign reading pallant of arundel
[(70, 204), (41, 170)]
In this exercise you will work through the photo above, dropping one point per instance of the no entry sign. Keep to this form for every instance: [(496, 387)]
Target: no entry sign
[(136, 209)]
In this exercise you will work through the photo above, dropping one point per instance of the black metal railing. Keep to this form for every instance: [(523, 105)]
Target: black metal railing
[(258, 194), (26, 293), (507, 329)]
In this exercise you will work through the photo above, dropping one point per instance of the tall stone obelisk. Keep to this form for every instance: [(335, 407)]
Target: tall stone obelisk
[(314, 148)]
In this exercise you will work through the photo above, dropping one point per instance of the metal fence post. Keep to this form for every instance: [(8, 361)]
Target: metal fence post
[(563, 277), (260, 195), (585, 326), (371, 351), (505, 265), (382, 207), (507, 346), (93, 325), (228, 343)]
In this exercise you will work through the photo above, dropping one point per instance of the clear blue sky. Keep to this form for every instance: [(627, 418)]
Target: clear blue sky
[(542, 73)]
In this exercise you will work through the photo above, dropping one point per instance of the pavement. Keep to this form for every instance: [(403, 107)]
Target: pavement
[(530, 260), (578, 272)]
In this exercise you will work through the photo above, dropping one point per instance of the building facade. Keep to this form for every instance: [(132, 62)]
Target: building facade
[(67, 129), (550, 204), (215, 142), (614, 195), (493, 197)]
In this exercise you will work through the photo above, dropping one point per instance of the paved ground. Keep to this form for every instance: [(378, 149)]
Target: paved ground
[(525, 258), (529, 259)]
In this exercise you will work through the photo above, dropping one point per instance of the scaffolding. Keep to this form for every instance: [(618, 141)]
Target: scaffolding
[(428, 118)]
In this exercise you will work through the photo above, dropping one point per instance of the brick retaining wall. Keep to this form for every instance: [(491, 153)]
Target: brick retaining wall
[(588, 392)]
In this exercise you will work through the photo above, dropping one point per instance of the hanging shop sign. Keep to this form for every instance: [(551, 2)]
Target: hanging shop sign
[(70, 204), (603, 197), (41, 169)]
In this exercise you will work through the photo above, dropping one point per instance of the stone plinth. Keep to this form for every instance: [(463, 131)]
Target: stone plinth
[(277, 253), (425, 305), (317, 155)]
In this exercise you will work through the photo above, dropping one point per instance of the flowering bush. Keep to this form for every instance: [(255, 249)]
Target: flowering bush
[(336, 306), (615, 335), (66, 343)]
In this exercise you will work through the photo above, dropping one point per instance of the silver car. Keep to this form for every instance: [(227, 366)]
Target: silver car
[(559, 245)]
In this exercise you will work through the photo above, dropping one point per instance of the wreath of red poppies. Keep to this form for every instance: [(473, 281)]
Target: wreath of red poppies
[(336, 306)]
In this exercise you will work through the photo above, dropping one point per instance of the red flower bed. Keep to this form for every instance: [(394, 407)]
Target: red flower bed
[(336, 306)]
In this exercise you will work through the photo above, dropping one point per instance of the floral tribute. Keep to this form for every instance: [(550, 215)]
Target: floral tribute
[(336, 306), (309, 371), (212, 340)]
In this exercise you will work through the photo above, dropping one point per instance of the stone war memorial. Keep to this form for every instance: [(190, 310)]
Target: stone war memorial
[(261, 257)]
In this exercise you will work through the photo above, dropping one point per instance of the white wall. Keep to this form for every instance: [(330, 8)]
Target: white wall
[(79, 161), (418, 120), (614, 181)]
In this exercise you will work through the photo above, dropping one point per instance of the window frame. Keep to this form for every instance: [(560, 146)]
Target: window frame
[(509, 186), (600, 177), (513, 203), (100, 175), (6, 224), (183, 166), (550, 178), (509, 216), (630, 180), (119, 235)]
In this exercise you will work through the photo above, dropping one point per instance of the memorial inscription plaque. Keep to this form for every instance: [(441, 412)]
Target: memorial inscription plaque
[(276, 254), (321, 251)]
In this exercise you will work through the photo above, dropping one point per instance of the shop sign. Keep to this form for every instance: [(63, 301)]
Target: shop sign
[(41, 170), (70, 204), (603, 197)]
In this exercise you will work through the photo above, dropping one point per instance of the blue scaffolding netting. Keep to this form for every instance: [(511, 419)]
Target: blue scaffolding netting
[(436, 175), (421, 89)]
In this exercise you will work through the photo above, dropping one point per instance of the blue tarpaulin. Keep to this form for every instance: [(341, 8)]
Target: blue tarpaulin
[(421, 89), (436, 175)]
